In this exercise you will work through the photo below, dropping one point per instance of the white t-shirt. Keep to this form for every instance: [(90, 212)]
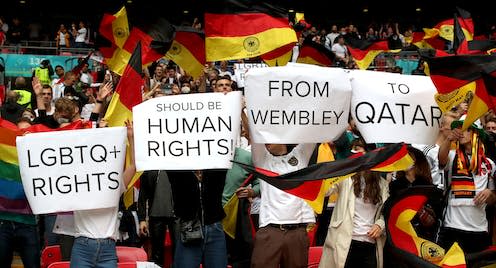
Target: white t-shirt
[(52, 110), (98, 223), (277, 206), (363, 219), (330, 39), (62, 39), (468, 216), (339, 50), (81, 35), (58, 91)]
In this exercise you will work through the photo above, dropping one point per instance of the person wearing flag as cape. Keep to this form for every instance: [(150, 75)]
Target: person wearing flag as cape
[(470, 188)]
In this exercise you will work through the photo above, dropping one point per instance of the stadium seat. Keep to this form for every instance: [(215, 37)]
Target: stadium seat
[(50, 254), (61, 264), (131, 254), (314, 254), (168, 257), (126, 265), (311, 235)]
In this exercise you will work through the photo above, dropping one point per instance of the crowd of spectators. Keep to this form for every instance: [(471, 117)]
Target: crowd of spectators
[(353, 239)]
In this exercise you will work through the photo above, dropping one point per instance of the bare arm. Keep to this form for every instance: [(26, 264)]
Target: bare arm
[(102, 94), (131, 167), (37, 87), (445, 146)]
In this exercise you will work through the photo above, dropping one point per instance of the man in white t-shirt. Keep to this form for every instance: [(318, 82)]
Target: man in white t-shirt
[(431, 151), (96, 230), (81, 35), (470, 190), (339, 48), (282, 238)]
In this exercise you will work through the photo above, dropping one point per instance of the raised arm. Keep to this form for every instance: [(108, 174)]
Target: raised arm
[(445, 146), (131, 167), (101, 96), (37, 88)]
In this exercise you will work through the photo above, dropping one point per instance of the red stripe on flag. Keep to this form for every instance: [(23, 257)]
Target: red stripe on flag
[(395, 157), (308, 190), (308, 51), (194, 43), (106, 29), (446, 84), (241, 24), (400, 238)]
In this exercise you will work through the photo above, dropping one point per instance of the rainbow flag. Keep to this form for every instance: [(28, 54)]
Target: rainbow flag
[(12, 197)]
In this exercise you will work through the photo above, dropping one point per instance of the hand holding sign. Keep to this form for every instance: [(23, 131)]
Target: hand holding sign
[(390, 108), (185, 132), (312, 102), (72, 170)]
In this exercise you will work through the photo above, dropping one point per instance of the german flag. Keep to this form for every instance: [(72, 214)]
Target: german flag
[(401, 235), (115, 27), (240, 29), (420, 40), (115, 30), (280, 56), (155, 39), (450, 73), (317, 54), (127, 95), (462, 20), (460, 28), (364, 52), (188, 50), (445, 29), (307, 183)]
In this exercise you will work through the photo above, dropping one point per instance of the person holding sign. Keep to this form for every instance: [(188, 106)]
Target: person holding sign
[(197, 197), (96, 230), (282, 238)]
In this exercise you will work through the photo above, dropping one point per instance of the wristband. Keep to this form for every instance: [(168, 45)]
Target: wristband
[(99, 101)]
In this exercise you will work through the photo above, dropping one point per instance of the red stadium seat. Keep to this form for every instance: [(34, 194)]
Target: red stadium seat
[(168, 257), (126, 265), (131, 254), (314, 254), (61, 264), (50, 255), (311, 235)]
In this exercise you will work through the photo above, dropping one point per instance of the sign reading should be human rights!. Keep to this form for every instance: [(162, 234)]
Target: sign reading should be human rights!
[(72, 170), (184, 132)]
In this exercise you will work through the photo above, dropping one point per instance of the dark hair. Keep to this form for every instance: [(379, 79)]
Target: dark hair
[(372, 191), (421, 166), (226, 77), (25, 120)]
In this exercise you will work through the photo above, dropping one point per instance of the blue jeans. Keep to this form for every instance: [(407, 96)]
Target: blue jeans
[(21, 237), (211, 251), (51, 238), (93, 253)]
